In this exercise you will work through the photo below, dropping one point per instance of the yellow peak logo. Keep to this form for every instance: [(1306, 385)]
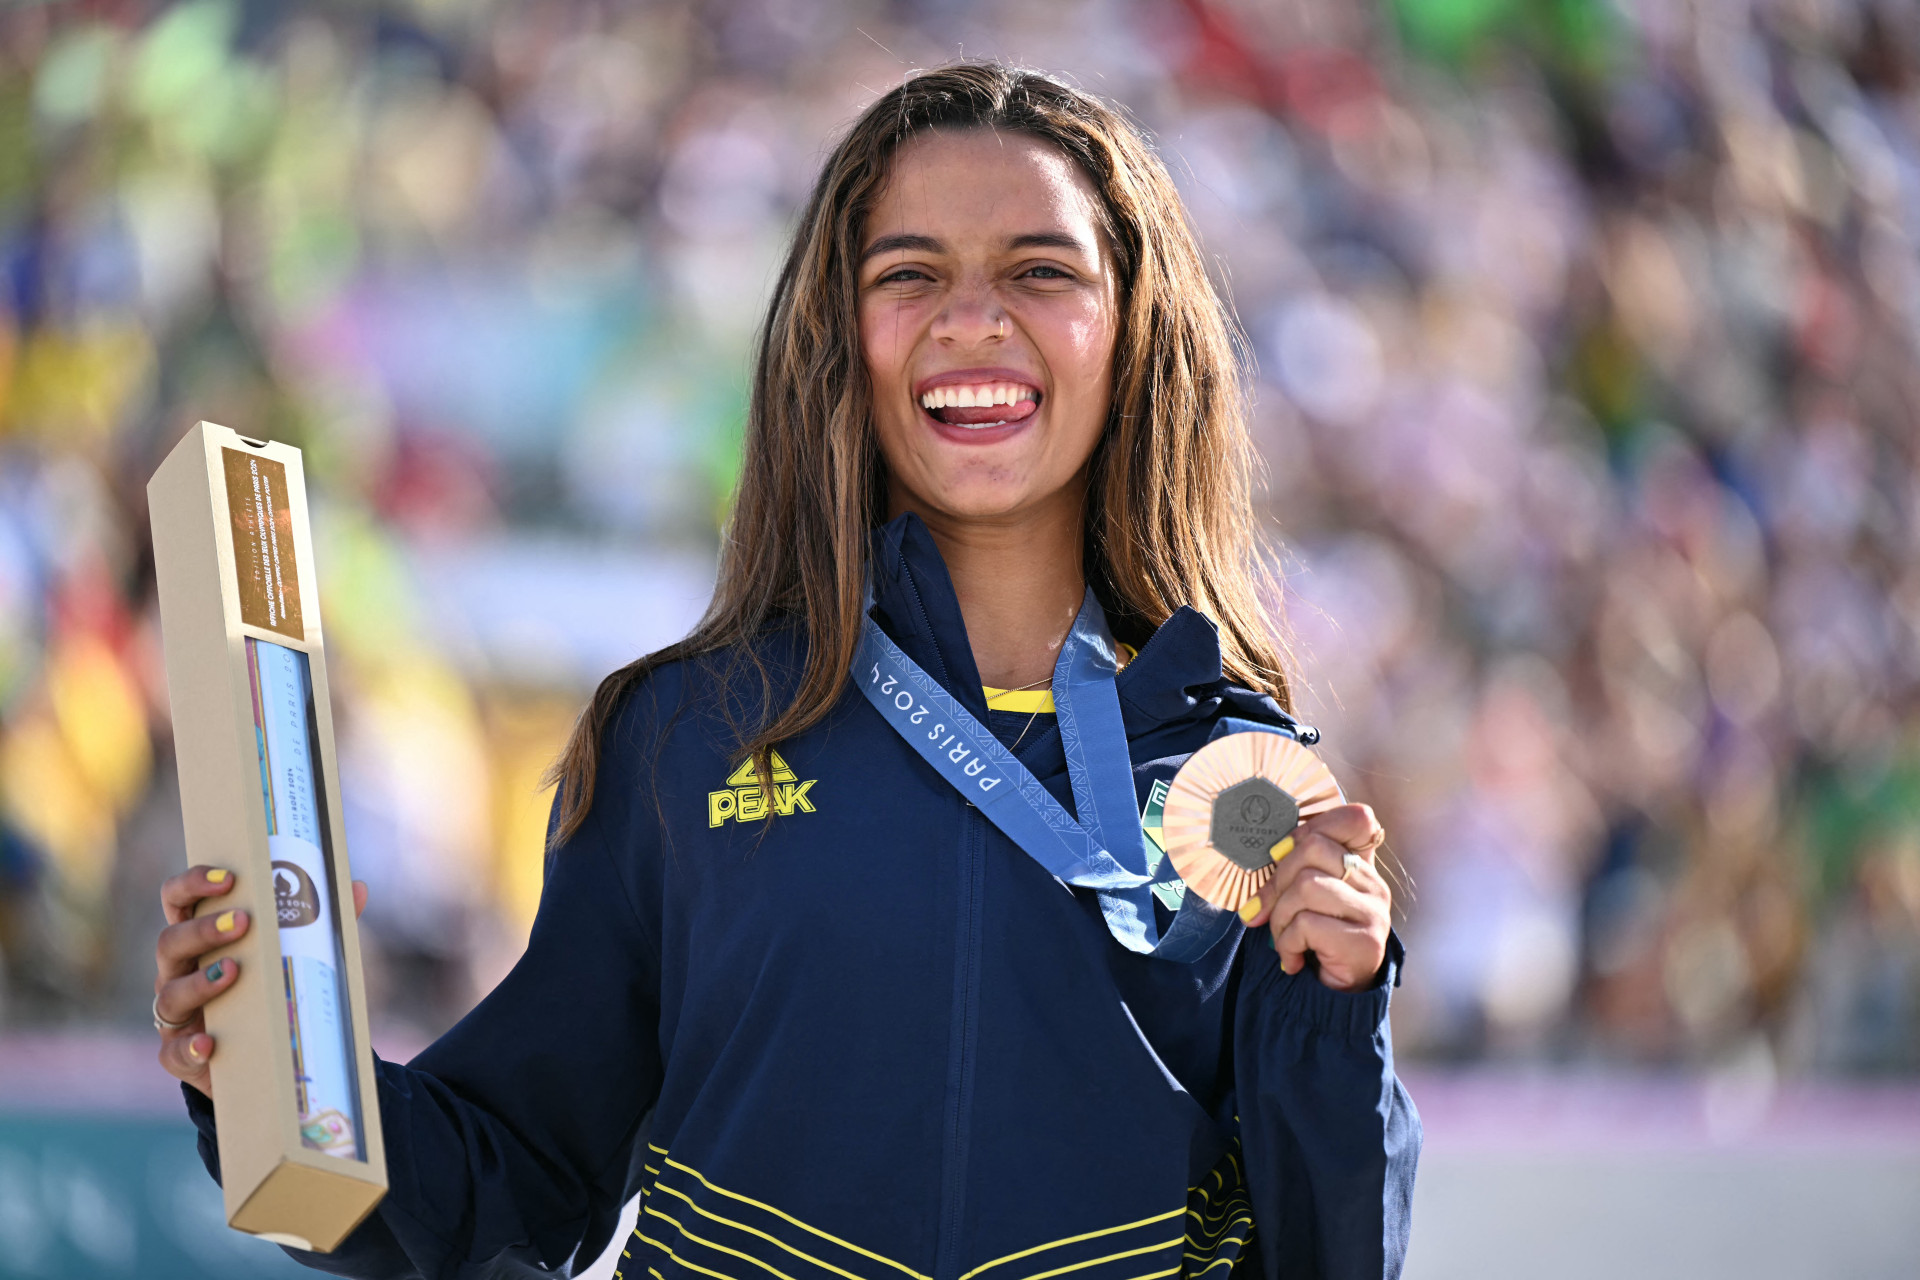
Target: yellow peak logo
[(747, 801)]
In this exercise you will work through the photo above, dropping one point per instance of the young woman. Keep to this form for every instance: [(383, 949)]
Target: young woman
[(789, 982)]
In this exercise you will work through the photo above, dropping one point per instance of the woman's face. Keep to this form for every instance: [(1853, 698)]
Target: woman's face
[(987, 320)]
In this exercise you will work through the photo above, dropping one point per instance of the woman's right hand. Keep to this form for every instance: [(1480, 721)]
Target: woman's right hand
[(181, 987)]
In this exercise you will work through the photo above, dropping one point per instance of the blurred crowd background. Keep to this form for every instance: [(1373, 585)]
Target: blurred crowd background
[(1584, 336)]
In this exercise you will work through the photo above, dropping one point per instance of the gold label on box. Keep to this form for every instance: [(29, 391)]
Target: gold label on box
[(258, 504)]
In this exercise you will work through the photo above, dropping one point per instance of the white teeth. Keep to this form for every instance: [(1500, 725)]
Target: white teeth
[(976, 397)]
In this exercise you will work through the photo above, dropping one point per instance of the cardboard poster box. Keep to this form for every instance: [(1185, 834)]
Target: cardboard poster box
[(301, 1157)]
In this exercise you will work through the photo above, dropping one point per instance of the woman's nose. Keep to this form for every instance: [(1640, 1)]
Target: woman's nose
[(972, 315)]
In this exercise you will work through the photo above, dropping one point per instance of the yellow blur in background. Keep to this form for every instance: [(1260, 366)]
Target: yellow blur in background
[(1583, 337)]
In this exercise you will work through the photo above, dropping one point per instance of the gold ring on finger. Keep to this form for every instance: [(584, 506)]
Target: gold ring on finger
[(1348, 862)]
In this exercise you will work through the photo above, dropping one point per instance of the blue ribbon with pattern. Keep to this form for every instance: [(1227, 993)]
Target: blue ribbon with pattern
[(1104, 849)]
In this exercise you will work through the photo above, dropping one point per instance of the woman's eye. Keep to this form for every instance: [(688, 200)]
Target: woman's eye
[(1045, 272), (902, 274)]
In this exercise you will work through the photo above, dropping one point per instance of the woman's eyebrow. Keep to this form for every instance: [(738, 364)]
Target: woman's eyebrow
[(905, 240), (1048, 240), (914, 242)]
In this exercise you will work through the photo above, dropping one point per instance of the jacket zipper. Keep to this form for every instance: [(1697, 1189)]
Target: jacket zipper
[(949, 1254), (953, 1160)]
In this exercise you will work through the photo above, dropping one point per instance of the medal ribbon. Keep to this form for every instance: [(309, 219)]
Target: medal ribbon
[(1104, 849)]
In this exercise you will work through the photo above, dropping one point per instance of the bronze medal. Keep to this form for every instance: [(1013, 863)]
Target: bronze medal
[(1231, 802)]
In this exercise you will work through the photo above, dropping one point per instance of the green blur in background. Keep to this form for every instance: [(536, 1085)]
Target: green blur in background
[(117, 1196), (1582, 337)]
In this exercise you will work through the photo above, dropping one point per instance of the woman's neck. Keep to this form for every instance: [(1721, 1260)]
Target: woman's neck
[(1020, 584)]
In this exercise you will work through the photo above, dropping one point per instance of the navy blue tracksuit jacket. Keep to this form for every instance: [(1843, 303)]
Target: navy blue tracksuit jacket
[(833, 1025)]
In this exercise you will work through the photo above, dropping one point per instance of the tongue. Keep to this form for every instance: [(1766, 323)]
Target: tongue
[(956, 417)]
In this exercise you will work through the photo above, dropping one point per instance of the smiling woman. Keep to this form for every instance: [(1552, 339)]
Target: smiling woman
[(841, 966), (1009, 269), (1045, 175)]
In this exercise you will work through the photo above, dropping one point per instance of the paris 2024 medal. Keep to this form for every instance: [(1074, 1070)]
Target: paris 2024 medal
[(1232, 802)]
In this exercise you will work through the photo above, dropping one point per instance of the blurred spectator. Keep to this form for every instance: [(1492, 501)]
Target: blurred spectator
[(1585, 342)]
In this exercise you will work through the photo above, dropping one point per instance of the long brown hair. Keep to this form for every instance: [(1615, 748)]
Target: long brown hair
[(1169, 516)]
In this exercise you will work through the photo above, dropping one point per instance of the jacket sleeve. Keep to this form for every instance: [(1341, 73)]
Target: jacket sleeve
[(1329, 1135), (510, 1140)]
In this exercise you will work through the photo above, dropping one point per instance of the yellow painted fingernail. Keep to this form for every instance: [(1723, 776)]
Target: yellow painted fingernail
[(225, 922), (218, 877), (1282, 849), (1249, 909)]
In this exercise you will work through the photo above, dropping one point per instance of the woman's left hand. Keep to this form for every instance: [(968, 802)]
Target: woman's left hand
[(1319, 902)]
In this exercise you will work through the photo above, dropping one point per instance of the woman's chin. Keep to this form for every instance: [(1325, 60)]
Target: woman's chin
[(986, 499), (991, 473)]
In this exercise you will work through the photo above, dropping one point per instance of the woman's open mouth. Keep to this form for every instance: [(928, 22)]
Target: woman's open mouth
[(978, 406)]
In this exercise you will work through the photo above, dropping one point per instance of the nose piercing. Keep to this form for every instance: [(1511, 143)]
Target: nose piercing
[(1000, 327)]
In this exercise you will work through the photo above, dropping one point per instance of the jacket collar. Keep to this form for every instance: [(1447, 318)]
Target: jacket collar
[(914, 602), (1177, 675)]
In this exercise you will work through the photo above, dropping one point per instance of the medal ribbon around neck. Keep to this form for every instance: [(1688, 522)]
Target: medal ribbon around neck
[(1104, 849)]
